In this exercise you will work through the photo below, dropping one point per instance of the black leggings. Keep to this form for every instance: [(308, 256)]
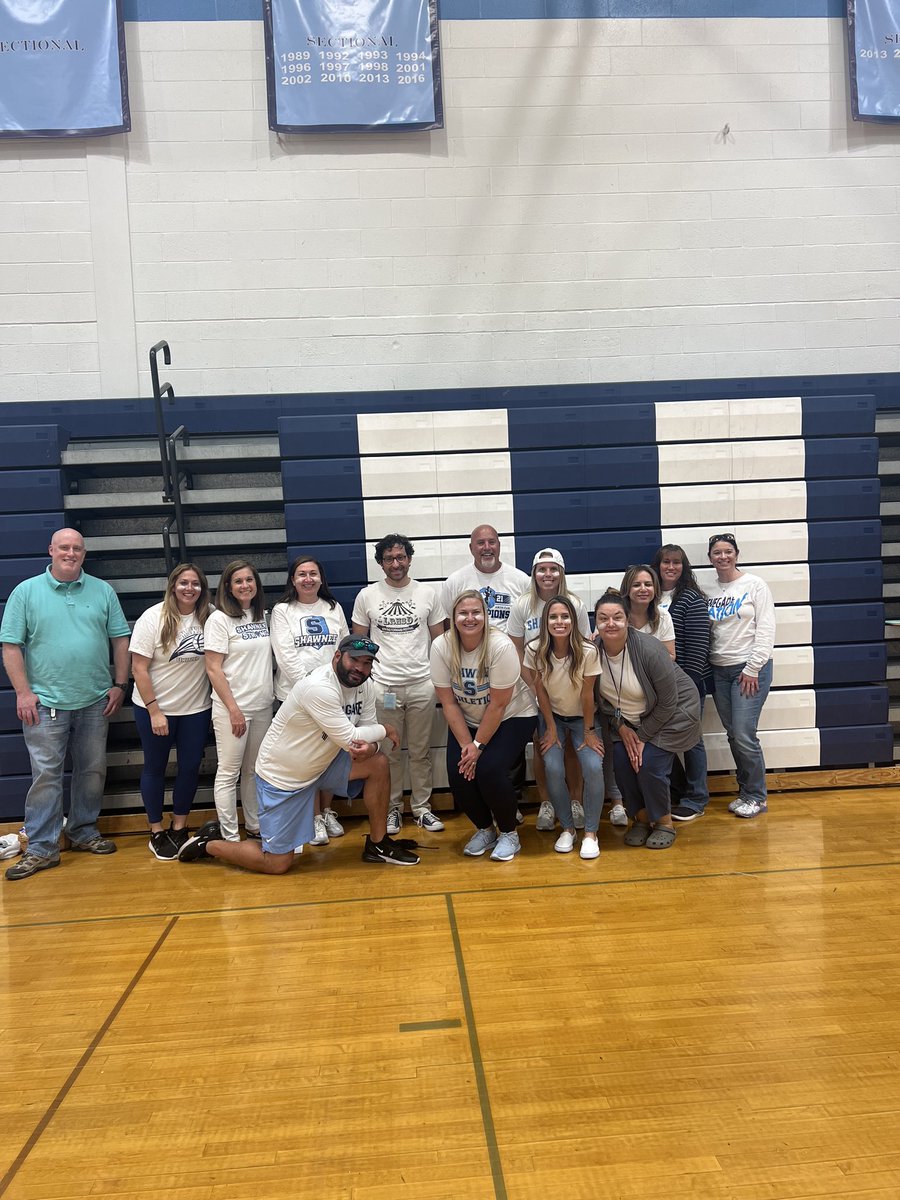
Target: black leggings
[(490, 796)]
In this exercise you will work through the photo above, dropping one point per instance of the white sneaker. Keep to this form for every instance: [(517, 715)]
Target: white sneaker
[(590, 848), (320, 837), (546, 818), (333, 827), (618, 815), (736, 804), (577, 814), (565, 842), (429, 822), (394, 821)]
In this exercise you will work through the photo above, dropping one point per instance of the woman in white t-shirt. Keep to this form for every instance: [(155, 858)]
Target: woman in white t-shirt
[(307, 624), (561, 666), (490, 718), (642, 592), (742, 622), (239, 665), (171, 701)]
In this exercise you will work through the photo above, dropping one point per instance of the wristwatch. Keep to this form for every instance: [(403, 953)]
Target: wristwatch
[(478, 745), (123, 686)]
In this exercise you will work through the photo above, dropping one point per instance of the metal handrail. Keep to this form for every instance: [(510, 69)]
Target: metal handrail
[(158, 393), (168, 457), (174, 475)]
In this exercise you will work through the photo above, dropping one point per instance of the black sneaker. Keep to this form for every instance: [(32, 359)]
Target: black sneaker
[(195, 847), (178, 836), (162, 846), (682, 813), (387, 851)]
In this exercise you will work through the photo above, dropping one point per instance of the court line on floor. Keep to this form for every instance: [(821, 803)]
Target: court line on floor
[(484, 1099), (60, 1096), (502, 889)]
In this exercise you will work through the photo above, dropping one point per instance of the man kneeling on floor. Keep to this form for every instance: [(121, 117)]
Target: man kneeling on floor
[(324, 737)]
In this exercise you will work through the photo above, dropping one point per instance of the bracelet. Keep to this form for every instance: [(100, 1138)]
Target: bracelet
[(149, 702), (590, 729)]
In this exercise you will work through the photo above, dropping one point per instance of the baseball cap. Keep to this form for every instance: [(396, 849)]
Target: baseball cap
[(358, 647), (549, 555)]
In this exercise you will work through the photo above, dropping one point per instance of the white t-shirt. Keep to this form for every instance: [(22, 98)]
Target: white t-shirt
[(499, 590), (563, 694), (472, 694), (178, 675), (525, 618), (665, 601), (620, 686), (304, 636), (665, 630), (398, 620), (248, 659), (318, 719)]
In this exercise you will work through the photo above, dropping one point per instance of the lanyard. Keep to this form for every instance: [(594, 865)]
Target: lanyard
[(617, 714)]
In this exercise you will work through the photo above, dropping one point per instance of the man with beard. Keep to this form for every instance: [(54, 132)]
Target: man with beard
[(498, 583), (324, 737)]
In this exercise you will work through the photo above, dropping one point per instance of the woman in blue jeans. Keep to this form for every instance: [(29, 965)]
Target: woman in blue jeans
[(742, 617), (171, 701), (560, 667)]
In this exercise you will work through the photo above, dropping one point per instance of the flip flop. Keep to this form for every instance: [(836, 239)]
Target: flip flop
[(638, 834), (661, 838)]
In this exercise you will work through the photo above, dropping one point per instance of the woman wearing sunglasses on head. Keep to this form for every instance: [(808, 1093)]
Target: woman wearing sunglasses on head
[(561, 668), (490, 717), (742, 622), (654, 712), (686, 605)]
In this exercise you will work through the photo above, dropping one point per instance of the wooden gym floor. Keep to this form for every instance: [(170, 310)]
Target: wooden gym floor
[(720, 1020)]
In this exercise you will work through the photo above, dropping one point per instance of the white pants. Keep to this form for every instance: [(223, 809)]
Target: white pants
[(414, 716), (237, 760)]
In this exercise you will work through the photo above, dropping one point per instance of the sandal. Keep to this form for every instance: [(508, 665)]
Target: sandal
[(661, 838), (638, 834)]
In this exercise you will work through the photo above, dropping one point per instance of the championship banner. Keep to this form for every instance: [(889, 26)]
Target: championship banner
[(873, 44), (62, 68), (352, 65)]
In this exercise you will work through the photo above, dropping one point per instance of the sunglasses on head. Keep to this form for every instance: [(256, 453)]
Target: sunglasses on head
[(722, 537), (361, 644)]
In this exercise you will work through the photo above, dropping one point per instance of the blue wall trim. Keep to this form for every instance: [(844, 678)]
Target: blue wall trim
[(515, 10)]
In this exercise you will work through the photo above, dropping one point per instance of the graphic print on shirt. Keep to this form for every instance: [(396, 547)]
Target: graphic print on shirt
[(396, 616), (723, 607), (498, 604), (469, 688), (252, 630), (314, 634), (191, 645)]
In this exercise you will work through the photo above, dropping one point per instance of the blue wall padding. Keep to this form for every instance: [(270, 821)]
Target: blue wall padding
[(829, 582), (842, 499), (856, 744), (31, 491), (849, 664), (31, 446), (28, 534)]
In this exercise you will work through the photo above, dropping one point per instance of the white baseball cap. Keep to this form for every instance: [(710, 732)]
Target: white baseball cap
[(549, 555)]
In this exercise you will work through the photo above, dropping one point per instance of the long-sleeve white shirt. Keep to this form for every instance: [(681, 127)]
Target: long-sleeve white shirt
[(318, 719), (742, 616)]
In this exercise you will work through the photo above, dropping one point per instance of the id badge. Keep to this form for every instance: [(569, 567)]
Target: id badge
[(389, 701), (617, 714)]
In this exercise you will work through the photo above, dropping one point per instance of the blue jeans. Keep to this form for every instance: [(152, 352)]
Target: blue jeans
[(189, 735), (649, 788), (591, 769), (740, 716), (690, 783), (83, 733)]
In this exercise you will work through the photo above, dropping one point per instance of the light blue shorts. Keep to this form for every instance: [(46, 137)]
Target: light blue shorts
[(286, 818)]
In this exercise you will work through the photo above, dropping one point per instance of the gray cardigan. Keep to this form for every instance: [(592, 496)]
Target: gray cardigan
[(672, 718)]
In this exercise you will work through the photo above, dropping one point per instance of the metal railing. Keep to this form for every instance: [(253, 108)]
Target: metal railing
[(168, 458)]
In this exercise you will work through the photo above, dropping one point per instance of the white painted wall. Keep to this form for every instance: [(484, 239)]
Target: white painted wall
[(583, 216)]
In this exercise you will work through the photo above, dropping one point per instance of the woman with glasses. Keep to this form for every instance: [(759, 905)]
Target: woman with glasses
[(239, 665), (686, 605), (307, 624), (490, 718), (561, 668), (742, 623), (654, 712), (171, 702)]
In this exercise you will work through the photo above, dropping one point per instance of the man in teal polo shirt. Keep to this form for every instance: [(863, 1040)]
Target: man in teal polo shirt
[(56, 634)]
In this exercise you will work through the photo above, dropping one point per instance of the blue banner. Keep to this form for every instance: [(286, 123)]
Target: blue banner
[(352, 65), (873, 43), (62, 68)]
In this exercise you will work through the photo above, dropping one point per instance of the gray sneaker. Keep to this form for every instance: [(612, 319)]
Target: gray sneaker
[(394, 821), (30, 864), (546, 818), (481, 840), (577, 814), (508, 846)]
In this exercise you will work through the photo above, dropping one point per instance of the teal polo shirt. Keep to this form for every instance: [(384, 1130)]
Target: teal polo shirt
[(64, 630)]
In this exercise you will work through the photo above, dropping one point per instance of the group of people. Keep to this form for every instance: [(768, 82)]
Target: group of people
[(304, 708)]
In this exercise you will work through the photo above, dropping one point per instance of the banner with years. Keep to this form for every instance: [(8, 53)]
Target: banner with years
[(873, 43), (352, 65), (62, 68)]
